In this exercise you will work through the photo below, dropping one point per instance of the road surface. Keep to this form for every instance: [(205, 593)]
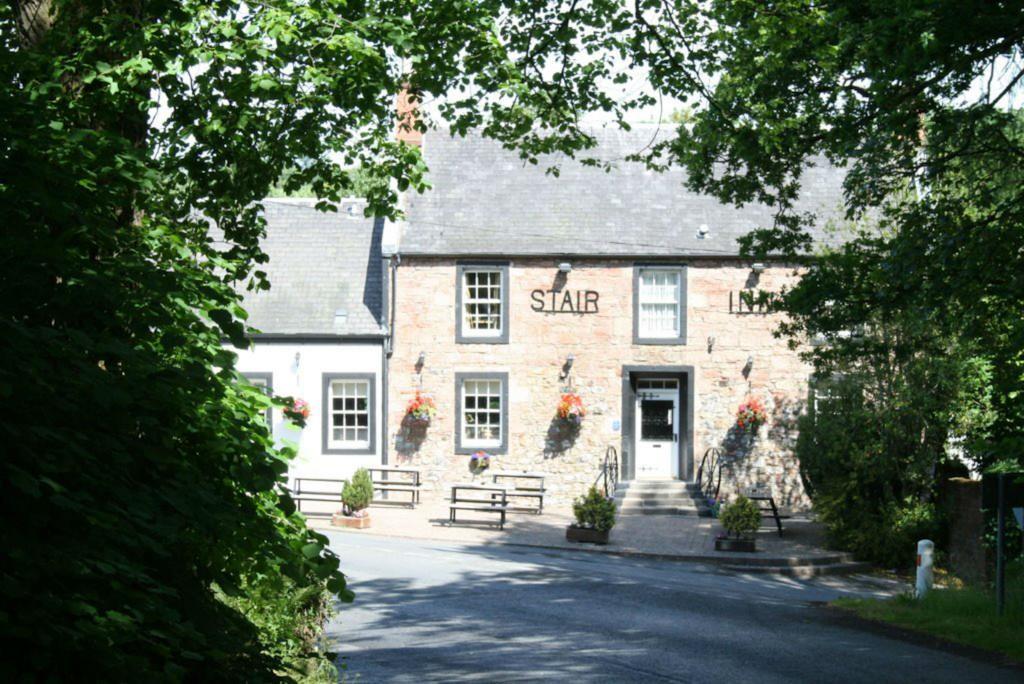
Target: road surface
[(442, 612)]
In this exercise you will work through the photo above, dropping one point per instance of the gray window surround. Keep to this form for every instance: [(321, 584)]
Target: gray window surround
[(687, 398), (371, 397), (268, 380), (460, 269), (681, 337), (460, 378)]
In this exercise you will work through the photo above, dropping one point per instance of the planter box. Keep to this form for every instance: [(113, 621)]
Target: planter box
[(339, 520), (746, 545), (586, 535)]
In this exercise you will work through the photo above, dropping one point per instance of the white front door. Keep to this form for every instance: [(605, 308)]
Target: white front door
[(657, 429)]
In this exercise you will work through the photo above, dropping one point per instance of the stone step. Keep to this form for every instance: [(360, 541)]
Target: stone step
[(655, 494), (657, 486), (663, 501), (661, 510)]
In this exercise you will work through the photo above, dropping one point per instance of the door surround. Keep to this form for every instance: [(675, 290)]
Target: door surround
[(685, 376)]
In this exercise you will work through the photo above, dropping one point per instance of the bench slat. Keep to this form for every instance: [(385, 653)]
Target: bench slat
[(477, 507)]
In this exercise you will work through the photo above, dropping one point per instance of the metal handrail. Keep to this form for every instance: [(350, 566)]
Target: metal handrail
[(610, 470), (709, 475)]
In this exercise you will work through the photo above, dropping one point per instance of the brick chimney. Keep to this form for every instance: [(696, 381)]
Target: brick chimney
[(407, 105)]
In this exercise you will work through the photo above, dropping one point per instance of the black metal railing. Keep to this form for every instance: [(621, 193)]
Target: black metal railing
[(709, 475), (610, 470)]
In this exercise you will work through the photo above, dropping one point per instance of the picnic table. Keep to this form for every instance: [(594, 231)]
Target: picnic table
[(479, 497), (409, 482), (533, 487), (762, 496), (315, 489)]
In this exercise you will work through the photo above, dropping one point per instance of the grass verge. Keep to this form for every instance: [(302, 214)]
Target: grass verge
[(966, 615)]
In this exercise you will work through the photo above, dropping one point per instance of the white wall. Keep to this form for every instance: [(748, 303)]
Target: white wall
[(303, 379)]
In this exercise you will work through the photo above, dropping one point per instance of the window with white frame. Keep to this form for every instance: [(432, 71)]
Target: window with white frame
[(483, 303), (264, 381), (348, 413), (483, 411), (660, 306)]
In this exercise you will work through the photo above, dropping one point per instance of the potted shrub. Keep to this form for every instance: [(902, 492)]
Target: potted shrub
[(595, 517), (741, 519), (355, 497)]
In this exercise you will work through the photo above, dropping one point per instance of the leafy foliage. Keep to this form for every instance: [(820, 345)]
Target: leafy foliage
[(919, 101), (594, 510), (740, 518), (875, 446), (357, 492), (138, 141)]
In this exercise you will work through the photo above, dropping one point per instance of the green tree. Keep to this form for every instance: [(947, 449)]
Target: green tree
[(145, 522), (916, 100)]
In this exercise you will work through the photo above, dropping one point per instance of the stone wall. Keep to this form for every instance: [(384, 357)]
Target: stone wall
[(719, 344)]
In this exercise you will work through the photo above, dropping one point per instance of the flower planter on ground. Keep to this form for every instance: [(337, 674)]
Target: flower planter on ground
[(728, 544), (595, 517), (350, 521), (586, 535), (741, 519)]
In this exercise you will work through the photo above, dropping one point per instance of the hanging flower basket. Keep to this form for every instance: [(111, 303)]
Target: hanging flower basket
[(297, 411), (421, 409), (751, 415), (479, 462), (570, 408)]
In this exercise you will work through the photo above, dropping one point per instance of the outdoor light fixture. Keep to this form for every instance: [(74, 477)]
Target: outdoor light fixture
[(421, 359), (711, 342), (566, 367), (758, 267), (564, 267)]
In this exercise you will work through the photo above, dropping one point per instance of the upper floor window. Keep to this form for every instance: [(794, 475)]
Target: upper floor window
[(482, 303), (264, 381), (348, 413), (482, 421), (659, 305)]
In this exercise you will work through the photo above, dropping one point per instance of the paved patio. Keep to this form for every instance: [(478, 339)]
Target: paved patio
[(674, 537)]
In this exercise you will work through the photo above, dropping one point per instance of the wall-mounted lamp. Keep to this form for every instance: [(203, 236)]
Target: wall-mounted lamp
[(567, 367), (711, 343), (421, 359), (298, 358), (758, 267), (564, 267), (748, 367)]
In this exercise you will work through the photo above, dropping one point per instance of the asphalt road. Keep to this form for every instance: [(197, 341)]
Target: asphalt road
[(440, 612)]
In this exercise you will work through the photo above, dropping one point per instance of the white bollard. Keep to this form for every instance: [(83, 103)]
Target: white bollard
[(925, 558)]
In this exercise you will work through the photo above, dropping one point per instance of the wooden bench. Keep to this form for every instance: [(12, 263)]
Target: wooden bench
[(762, 496), (381, 483), (497, 501), (300, 492), (533, 490)]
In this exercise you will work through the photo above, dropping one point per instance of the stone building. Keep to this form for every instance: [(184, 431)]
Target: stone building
[(511, 287)]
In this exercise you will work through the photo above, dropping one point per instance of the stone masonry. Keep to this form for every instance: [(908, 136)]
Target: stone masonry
[(718, 346)]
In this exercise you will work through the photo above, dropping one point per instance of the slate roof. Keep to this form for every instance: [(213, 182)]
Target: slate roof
[(320, 264), (486, 201)]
